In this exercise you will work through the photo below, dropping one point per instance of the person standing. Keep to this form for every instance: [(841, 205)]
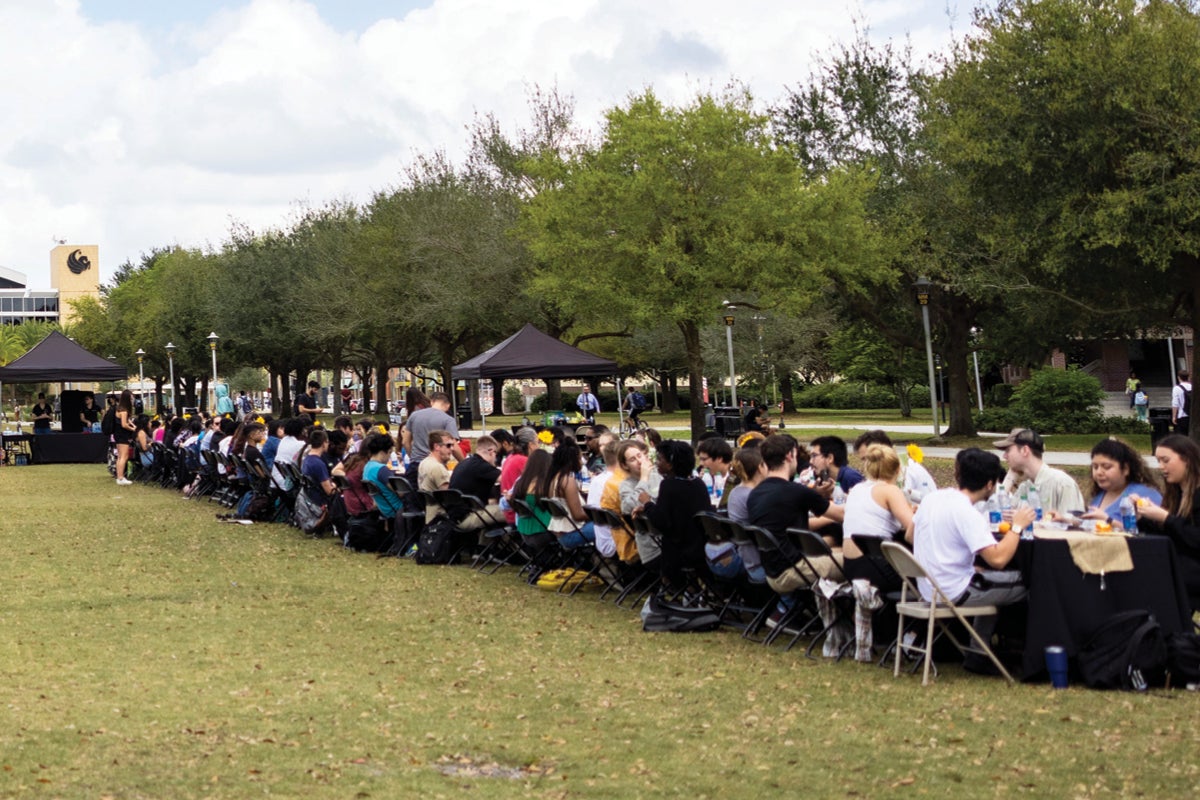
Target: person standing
[(123, 434), (43, 413), (420, 425), (90, 415), (588, 405), (306, 401), (1131, 386), (1181, 403)]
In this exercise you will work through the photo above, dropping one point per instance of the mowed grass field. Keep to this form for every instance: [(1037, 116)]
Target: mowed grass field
[(151, 651)]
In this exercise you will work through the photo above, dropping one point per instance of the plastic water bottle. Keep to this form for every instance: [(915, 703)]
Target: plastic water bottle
[(1004, 500), (1128, 516), (993, 511), (1035, 502)]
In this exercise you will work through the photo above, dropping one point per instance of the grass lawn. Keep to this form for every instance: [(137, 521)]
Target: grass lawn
[(156, 652)]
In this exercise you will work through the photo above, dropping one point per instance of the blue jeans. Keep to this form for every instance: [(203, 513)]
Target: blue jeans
[(585, 534)]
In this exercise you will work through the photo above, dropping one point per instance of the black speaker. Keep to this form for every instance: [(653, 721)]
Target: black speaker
[(72, 407)]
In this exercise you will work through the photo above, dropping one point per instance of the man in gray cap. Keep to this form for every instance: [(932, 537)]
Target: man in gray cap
[(1058, 491)]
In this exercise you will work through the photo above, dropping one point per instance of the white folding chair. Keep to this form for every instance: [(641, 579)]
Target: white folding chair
[(933, 611)]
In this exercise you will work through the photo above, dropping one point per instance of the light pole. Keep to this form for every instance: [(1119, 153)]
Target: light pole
[(975, 356), (141, 354), (212, 392), (729, 345), (923, 286), (171, 368)]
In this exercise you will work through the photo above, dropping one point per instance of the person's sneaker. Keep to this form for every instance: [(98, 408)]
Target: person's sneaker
[(124, 482), (773, 620)]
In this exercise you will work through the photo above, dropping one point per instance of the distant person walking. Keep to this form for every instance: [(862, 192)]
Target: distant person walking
[(1181, 403)]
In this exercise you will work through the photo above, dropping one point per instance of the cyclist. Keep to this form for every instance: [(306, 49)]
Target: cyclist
[(634, 404)]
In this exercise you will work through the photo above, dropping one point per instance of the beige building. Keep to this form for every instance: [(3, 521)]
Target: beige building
[(75, 273)]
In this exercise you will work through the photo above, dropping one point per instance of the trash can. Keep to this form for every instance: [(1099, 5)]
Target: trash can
[(466, 420), (728, 421), (1160, 425)]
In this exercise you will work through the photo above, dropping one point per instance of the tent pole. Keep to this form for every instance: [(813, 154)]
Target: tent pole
[(620, 408)]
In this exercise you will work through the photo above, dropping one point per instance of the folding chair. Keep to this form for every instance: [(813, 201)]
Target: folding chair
[(872, 550), (816, 550), (934, 611), (620, 574), (411, 518), (541, 548), (768, 543)]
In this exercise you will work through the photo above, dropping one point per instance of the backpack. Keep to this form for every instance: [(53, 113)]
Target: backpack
[(1128, 651), (661, 616), (1140, 398), (1183, 658), (1187, 399), (108, 425), (638, 401), (436, 544), (247, 406)]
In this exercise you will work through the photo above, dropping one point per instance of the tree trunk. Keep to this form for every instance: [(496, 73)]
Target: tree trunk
[(554, 399), (787, 393), (668, 399), (1192, 266), (695, 360), (382, 399), (956, 352), (903, 398)]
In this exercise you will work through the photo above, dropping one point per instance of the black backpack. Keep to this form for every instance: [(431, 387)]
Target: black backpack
[(1183, 658), (108, 425), (639, 401), (662, 616), (436, 544), (1128, 651)]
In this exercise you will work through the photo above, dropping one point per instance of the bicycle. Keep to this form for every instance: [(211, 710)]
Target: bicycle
[(632, 425)]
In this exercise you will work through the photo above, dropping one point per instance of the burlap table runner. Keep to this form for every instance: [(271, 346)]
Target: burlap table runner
[(1093, 554)]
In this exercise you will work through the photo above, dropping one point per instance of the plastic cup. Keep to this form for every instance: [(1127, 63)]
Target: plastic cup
[(1056, 665)]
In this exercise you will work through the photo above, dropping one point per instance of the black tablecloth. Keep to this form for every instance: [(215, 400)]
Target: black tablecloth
[(1066, 606), (70, 448)]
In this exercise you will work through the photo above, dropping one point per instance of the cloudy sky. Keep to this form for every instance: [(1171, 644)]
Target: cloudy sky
[(133, 124)]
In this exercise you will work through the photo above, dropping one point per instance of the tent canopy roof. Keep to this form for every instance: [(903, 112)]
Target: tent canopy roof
[(529, 353), (56, 359)]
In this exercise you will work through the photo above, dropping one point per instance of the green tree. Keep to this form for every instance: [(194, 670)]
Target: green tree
[(1077, 122), (677, 209)]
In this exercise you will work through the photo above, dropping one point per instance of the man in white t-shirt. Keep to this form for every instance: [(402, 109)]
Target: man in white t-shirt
[(948, 533), (1179, 403)]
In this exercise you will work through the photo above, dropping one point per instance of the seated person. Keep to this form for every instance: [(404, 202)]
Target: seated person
[(432, 473), (876, 507), (917, 480), (321, 488), (378, 448), (1118, 471), (537, 467), (477, 475), (749, 470), (757, 420), (1058, 491), (715, 456), (681, 496), (777, 503), (641, 478), (948, 535), (89, 416)]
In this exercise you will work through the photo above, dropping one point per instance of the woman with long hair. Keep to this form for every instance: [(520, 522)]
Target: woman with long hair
[(1179, 515), (1117, 472), (561, 484), (124, 434), (143, 440), (537, 468)]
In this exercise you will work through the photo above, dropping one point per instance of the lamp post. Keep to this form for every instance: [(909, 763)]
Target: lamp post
[(171, 367), (729, 345), (212, 345), (141, 354), (975, 356), (923, 286)]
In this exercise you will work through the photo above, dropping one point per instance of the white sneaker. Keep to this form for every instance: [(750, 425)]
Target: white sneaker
[(124, 482)]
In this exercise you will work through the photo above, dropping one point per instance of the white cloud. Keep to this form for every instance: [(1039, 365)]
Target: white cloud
[(121, 135)]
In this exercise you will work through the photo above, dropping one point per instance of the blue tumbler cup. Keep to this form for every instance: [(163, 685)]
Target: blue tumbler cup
[(1056, 665)]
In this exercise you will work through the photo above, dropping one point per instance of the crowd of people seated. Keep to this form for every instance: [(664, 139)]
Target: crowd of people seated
[(762, 529)]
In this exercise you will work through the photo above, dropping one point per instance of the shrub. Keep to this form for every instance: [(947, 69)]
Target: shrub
[(514, 402), (608, 402), (1000, 420), (998, 396), (846, 395), (1059, 401), (1125, 425)]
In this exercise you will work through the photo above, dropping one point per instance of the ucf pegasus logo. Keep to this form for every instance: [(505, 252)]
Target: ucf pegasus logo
[(77, 262)]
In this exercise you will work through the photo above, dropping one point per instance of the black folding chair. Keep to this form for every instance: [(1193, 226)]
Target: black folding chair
[(542, 550), (802, 609), (817, 553)]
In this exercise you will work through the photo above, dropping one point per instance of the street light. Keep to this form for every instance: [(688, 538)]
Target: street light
[(212, 345), (729, 344), (171, 367), (923, 286), (141, 377)]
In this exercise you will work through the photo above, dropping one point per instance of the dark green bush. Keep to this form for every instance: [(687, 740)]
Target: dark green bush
[(845, 395), (1125, 425), (1000, 420), (998, 396), (1059, 401)]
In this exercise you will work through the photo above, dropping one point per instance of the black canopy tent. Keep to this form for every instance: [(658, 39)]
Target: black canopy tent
[(57, 359), (529, 353)]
